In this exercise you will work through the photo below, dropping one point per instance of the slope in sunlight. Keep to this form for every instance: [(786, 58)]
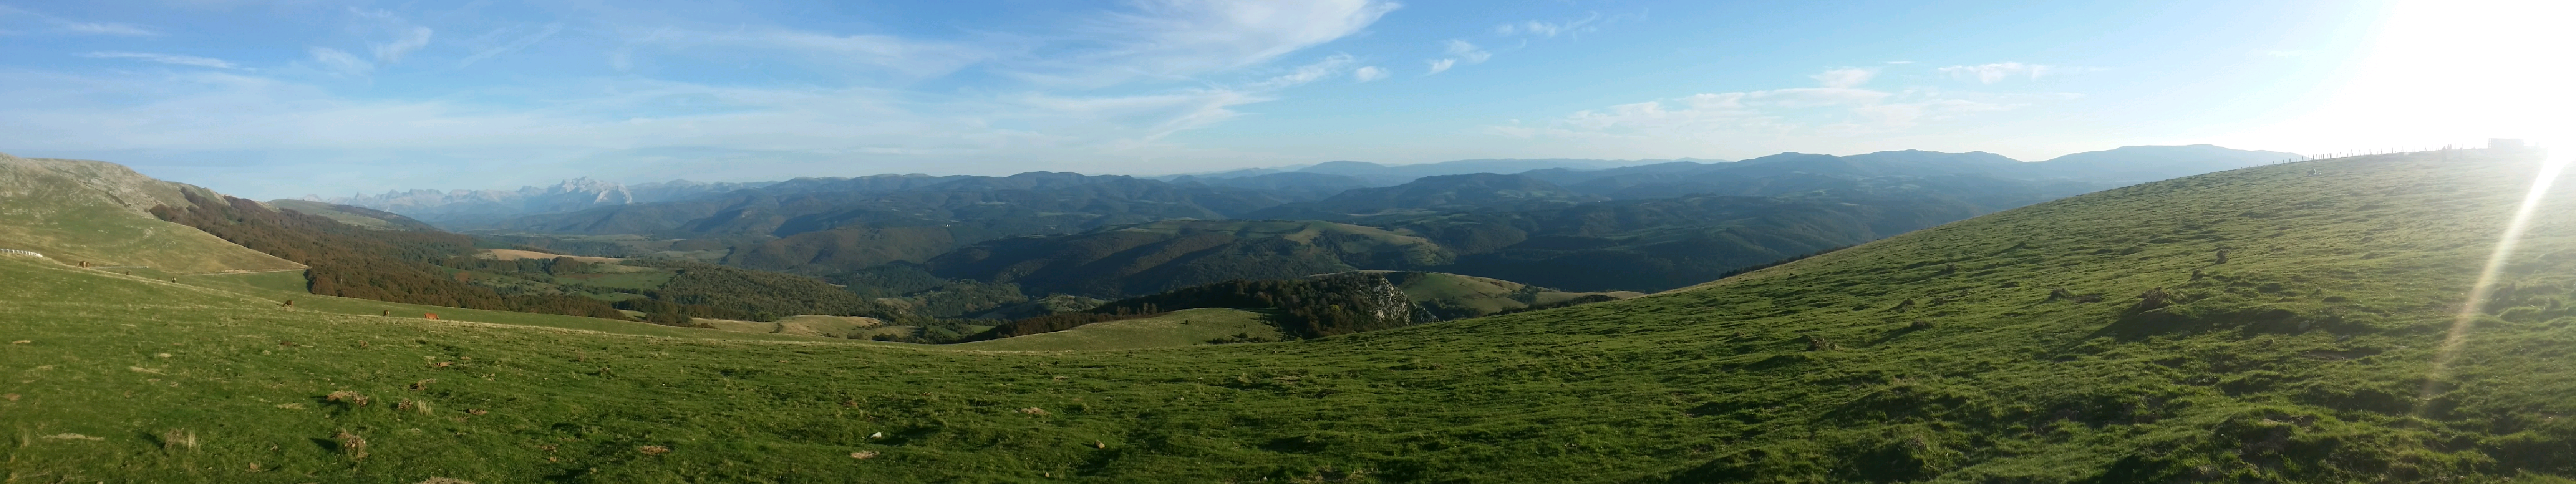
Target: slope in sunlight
[(78, 211), (2095, 339)]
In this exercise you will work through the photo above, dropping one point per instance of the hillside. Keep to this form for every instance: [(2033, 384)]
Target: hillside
[(1477, 191), (471, 208), (1631, 245), (1453, 296), (353, 215), (77, 211), (1155, 257), (2015, 347)]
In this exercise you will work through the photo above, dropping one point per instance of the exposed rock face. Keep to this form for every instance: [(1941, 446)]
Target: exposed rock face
[(1381, 300)]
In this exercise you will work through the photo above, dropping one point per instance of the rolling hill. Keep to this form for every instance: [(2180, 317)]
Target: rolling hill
[(2099, 338), (1160, 256), (78, 211), (1625, 245), (353, 215)]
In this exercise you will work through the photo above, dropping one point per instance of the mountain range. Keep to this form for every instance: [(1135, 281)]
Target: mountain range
[(467, 207)]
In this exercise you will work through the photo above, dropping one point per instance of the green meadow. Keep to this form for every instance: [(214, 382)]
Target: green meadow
[(2098, 338)]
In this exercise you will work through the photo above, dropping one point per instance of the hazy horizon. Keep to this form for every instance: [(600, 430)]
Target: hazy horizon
[(283, 100)]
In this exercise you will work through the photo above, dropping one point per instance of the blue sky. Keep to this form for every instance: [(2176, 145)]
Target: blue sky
[(276, 99)]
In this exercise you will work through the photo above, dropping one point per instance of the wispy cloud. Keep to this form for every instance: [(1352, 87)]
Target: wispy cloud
[(341, 62), (407, 40), (521, 42), (1549, 29), (103, 28), (1836, 109), (1175, 65), (1998, 72), (1330, 66), (1368, 73), (172, 59), (1468, 52), (69, 26), (1845, 77), (1459, 51), (1181, 39)]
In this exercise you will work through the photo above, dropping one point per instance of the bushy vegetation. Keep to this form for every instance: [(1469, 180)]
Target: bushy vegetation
[(762, 296), (1963, 353), (352, 261), (1311, 307)]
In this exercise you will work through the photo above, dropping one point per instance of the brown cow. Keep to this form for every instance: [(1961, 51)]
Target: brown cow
[(430, 315)]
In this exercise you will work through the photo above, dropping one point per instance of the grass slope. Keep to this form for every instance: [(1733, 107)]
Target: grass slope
[(1455, 296), (2302, 358), (78, 210), (350, 215), (1180, 328)]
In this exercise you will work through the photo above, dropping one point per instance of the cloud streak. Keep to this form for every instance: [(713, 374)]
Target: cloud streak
[(172, 59), (1368, 73), (514, 45), (69, 26), (1183, 39), (1838, 108), (1549, 29), (1459, 52), (1845, 77), (1998, 72)]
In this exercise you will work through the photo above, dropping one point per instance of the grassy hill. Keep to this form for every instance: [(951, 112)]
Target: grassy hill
[(2016, 347), (353, 215), (1178, 328), (79, 210), (1453, 296), (1160, 256)]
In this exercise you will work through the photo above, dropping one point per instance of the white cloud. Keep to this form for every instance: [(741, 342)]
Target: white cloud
[(1997, 72), (70, 26), (1549, 29), (404, 42), (1181, 39), (1466, 51), (1845, 77), (1838, 110), (513, 45), (341, 62), (828, 52), (1369, 73), (1328, 67), (855, 103), (172, 59), (1458, 51), (101, 28)]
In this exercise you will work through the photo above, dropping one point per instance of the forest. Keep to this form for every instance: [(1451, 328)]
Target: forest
[(349, 261)]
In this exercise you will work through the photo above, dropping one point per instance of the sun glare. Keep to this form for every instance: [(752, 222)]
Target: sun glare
[(2441, 72), (2551, 168)]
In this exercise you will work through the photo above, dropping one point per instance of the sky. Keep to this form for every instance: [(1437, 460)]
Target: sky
[(272, 99)]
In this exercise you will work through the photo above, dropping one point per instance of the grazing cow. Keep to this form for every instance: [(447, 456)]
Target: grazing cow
[(430, 315)]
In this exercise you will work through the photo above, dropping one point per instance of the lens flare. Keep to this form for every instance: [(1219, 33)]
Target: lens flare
[(2550, 168)]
